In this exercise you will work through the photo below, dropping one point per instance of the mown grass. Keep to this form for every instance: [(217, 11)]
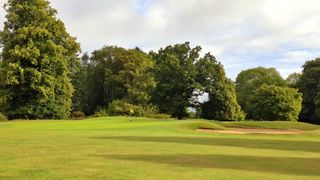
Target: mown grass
[(271, 125), (141, 148)]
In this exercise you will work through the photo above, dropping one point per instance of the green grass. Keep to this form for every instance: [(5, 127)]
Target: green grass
[(141, 148), (271, 125)]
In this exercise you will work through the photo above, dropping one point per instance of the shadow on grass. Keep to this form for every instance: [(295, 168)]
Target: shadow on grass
[(307, 146), (291, 166)]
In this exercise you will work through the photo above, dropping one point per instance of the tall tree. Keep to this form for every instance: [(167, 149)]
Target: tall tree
[(222, 103), (79, 76), (175, 75), (121, 74), (251, 80), (36, 51), (183, 76), (309, 85)]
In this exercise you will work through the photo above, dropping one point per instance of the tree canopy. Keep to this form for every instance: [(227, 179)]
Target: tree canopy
[(119, 74), (252, 79), (42, 76), (175, 75), (293, 80), (182, 76), (36, 53), (222, 103), (271, 103), (309, 85)]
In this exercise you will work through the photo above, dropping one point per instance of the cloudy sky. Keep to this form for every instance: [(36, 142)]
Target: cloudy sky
[(241, 33)]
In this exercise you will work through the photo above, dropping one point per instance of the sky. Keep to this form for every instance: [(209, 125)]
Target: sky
[(242, 34)]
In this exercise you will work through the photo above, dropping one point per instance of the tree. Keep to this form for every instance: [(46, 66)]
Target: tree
[(252, 79), (79, 76), (183, 76), (175, 74), (36, 54), (293, 80), (121, 74), (222, 103), (273, 103), (309, 85)]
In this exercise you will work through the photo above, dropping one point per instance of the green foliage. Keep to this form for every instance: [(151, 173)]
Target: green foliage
[(157, 115), (273, 103), (182, 76), (77, 115), (101, 112), (252, 79), (222, 103), (35, 70), (123, 108), (293, 80), (79, 77), (3, 118), (309, 85), (119, 73), (175, 75)]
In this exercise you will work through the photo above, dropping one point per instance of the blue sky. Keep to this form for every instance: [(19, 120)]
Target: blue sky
[(242, 34), (142, 5)]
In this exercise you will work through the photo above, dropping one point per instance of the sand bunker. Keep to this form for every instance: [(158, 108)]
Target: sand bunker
[(251, 131)]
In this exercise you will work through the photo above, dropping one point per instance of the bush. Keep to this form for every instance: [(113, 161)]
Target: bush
[(123, 108), (77, 115), (3, 118), (157, 116), (272, 103), (101, 112)]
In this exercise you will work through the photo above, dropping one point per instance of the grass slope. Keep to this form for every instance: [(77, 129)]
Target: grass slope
[(140, 148), (270, 125)]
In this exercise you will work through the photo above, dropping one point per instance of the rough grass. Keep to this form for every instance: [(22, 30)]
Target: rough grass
[(141, 148)]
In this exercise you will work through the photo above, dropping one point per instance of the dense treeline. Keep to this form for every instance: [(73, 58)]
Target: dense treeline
[(169, 81), (309, 85), (43, 77)]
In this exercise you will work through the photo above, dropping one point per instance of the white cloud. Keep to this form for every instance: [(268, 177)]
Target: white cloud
[(241, 33), (285, 72), (299, 56)]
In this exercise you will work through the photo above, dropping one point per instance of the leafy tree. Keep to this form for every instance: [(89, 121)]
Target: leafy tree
[(183, 76), (175, 73), (309, 85), (36, 51), (273, 103), (222, 103), (121, 74), (79, 76), (251, 80), (293, 79)]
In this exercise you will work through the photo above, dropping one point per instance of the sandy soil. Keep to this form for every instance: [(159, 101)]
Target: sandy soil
[(252, 131)]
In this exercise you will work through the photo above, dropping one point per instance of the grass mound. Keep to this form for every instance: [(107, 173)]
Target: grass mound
[(271, 125), (201, 124)]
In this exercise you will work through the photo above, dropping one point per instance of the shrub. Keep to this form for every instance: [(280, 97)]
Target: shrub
[(101, 112), (272, 103), (157, 116), (123, 108), (77, 115), (3, 118)]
